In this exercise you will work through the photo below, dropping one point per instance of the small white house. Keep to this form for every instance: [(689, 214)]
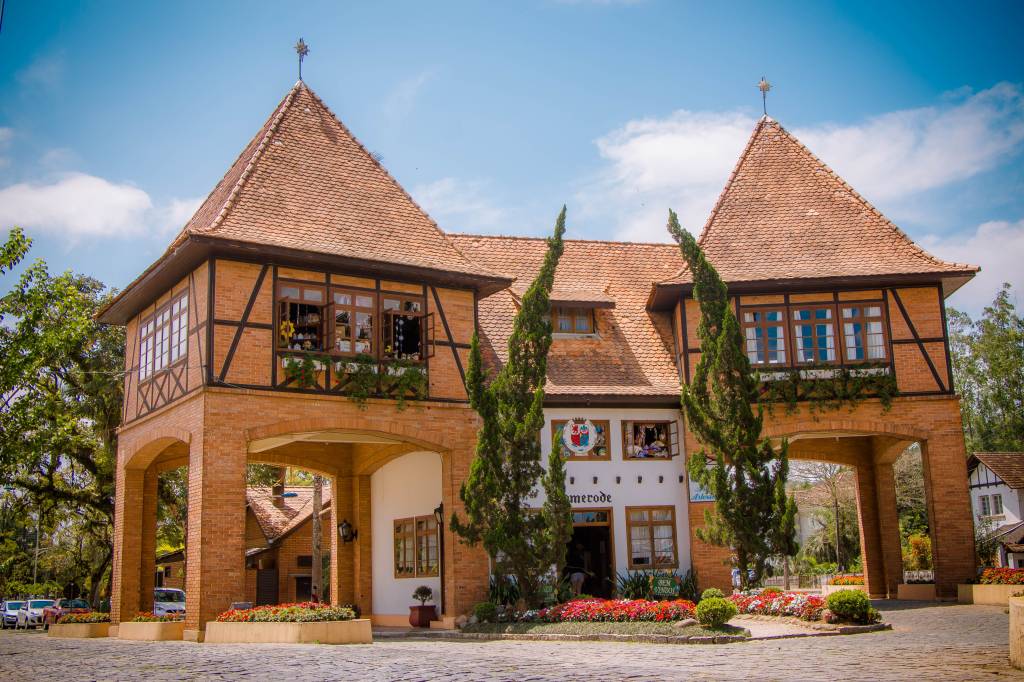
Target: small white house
[(996, 482)]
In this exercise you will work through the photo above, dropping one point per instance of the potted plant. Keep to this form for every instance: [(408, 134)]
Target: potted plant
[(420, 616)]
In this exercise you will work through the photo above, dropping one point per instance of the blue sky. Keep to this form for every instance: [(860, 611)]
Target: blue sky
[(116, 119)]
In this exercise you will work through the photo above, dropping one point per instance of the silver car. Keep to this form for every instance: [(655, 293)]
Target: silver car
[(9, 614), (31, 613)]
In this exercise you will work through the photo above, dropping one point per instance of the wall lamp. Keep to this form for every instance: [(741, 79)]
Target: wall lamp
[(347, 532)]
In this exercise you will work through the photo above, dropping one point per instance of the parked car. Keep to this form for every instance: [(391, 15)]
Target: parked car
[(61, 607), (168, 601), (9, 614), (31, 613)]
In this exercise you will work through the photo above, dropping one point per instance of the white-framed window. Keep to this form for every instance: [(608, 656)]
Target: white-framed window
[(986, 509), (997, 505), (163, 337)]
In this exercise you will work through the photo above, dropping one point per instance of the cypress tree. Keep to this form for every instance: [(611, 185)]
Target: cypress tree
[(507, 467), (746, 475)]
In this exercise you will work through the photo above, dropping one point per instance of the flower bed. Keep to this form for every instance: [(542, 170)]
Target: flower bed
[(793, 604), (78, 618), (1002, 576), (304, 612), (612, 611), (847, 580)]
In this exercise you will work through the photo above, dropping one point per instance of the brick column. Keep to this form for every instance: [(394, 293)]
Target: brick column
[(870, 535), (216, 525), (889, 528), (127, 559), (147, 564), (342, 553), (949, 510), (362, 546), (467, 569)]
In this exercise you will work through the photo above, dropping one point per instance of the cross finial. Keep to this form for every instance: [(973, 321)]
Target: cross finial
[(302, 50), (764, 86)]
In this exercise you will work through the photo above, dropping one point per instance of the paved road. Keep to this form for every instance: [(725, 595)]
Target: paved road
[(949, 642)]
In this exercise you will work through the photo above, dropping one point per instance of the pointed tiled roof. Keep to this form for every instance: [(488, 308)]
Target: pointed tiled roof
[(276, 521), (1009, 466), (631, 355), (304, 182), (785, 215)]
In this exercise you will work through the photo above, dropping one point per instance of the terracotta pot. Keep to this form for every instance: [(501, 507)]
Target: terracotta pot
[(420, 616)]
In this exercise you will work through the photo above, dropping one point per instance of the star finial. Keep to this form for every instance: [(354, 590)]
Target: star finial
[(764, 86), (301, 49)]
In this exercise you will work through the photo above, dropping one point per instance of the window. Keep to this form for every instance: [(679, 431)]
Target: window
[(986, 510), (652, 537), (403, 327), (353, 322), (301, 323), (163, 338), (565, 320), (426, 546), (581, 438), (649, 440), (764, 332), (416, 547), (863, 338), (304, 561), (814, 335), (405, 553), (997, 505)]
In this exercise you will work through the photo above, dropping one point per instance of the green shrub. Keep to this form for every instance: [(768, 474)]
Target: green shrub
[(711, 593), (771, 590), (486, 612), (850, 605), (423, 594), (503, 590), (635, 585), (715, 611)]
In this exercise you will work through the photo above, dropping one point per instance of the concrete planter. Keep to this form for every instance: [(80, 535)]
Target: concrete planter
[(82, 630), (998, 595), (829, 589), (916, 591), (327, 632), (152, 632), (1017, 632)]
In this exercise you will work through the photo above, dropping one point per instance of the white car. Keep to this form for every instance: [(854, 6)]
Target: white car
[(168, 601), (31, 613), (9, 614)]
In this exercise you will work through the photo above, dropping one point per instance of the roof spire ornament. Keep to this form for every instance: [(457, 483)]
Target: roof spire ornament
[(301, 49), (764, 86)]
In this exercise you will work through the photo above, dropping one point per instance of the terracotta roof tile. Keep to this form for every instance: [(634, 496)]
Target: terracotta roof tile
[(784, 214), (1008, 466), (304, 182), (276, 521), (632, 354)]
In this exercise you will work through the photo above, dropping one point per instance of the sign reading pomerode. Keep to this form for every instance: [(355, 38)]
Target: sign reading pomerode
[(591, 498)]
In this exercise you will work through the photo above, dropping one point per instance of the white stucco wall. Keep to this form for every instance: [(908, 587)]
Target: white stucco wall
[(984, 482), (628, 491), (407, 486)]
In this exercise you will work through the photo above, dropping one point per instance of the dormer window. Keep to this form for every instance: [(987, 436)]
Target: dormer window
[(572, 320)]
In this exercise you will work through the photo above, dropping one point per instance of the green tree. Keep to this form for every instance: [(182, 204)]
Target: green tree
[(988, 368), (60, 389), (746, 472), (507, 467)]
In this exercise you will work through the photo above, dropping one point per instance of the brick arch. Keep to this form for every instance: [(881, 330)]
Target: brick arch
[(861, 427), (294, 461), (364, 424), (142, 455)]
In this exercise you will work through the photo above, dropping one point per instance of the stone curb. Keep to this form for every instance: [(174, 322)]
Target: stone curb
[(818, 628), (644, 639)]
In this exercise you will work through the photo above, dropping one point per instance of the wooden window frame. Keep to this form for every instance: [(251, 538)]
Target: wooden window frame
[(280, 300), (671, 434), (813, 322), (863, 321), (575, 313), (354, 310), (763, 326), (558, 424), (650, 525), (425, 535), (167, 319), (387, 315), (414, 536)]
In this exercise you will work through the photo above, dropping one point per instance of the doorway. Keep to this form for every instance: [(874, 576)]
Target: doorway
[(592, 550), (303, 588)]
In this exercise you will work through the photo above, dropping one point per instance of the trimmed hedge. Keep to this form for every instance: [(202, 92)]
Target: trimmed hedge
[(711, 592), (851, 605), (715, 611)]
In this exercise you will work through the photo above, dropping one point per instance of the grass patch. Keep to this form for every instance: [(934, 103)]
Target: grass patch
[(569, 628)]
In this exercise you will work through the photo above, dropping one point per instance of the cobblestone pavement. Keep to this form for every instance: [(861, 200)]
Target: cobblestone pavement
[(947, 642)]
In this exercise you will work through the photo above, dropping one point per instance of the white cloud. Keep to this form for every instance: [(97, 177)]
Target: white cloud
[(997, 247), (400, 101), (682, 161), (458, 205), (904, 152), (77, 205)]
